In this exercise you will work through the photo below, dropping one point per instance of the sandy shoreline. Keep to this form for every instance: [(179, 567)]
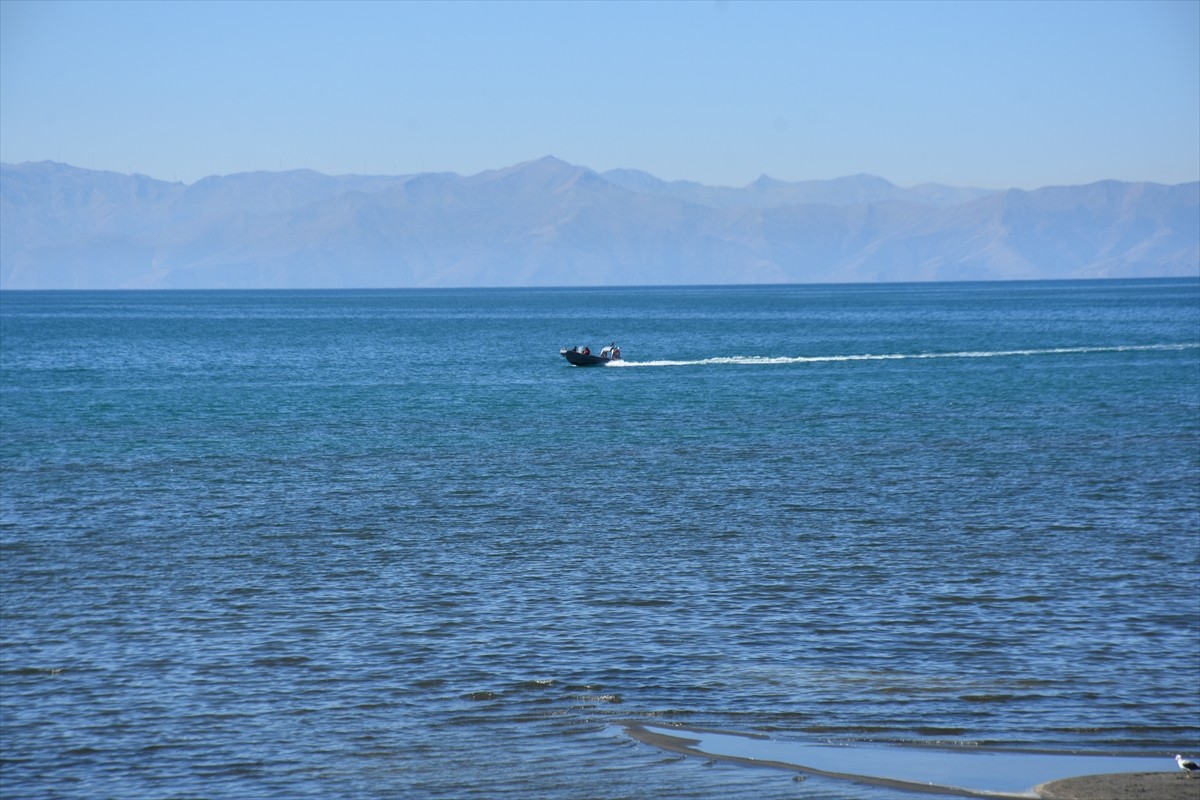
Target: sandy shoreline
[(1124, 786)]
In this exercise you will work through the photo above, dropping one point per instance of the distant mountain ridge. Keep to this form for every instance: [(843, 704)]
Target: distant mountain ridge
[(547, 222), (767, 192)]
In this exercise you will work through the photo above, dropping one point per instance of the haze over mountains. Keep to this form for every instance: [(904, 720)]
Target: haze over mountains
[(549, 223)]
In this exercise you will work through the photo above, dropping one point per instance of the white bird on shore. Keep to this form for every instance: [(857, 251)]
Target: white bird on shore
[(1188, 764)]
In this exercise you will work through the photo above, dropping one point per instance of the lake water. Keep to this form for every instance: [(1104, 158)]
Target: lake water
[(389, 544)]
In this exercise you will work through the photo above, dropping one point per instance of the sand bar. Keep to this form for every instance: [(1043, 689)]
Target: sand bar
[(1125, 786)]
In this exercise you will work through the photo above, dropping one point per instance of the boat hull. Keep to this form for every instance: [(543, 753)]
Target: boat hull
[(579, 359)]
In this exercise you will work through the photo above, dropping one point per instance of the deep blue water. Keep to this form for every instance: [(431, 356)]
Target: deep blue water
[(389, 544)]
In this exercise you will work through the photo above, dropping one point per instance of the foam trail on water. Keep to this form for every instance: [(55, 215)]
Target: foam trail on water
[(757, 360)]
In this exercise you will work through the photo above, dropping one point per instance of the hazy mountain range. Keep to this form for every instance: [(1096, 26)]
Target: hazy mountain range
[(549, 223)]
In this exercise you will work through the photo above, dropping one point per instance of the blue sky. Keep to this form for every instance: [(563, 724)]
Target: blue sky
[(1008, 94)]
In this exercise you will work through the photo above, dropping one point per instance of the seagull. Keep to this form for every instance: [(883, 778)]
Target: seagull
[(1188, 764)]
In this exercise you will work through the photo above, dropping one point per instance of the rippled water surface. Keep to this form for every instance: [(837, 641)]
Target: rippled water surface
[(389, 544)]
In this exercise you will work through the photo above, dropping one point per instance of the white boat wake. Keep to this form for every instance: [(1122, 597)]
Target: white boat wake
[(761, 360)]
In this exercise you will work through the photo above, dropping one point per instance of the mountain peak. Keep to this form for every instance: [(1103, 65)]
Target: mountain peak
[(546, 174), (763, 182)]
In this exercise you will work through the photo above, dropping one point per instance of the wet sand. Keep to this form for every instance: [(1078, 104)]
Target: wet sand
[(1125, 786)]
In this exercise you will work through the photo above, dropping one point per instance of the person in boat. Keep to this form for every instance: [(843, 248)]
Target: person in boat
[(587, 351), (616, 352), (605, 352)]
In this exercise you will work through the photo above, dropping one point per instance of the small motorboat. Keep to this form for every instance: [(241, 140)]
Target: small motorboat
[(585, 357)]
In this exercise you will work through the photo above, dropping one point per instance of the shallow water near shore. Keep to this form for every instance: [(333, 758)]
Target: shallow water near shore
[(389, 544), (964, 771)]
